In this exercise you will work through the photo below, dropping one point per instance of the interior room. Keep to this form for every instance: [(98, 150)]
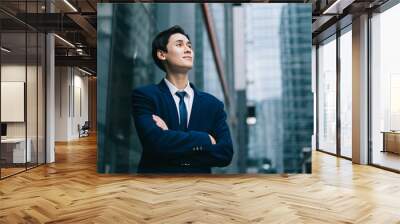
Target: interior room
[(57, 110)]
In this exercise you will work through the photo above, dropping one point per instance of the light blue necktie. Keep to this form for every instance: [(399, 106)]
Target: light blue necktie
[(182, 111)]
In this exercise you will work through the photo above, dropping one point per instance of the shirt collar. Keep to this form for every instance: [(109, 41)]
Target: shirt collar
[(172, 88)]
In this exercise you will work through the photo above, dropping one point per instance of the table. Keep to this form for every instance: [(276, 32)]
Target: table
[(16, 147), (391, 141)]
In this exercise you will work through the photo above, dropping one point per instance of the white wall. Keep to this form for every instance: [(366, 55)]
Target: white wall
[(17, 73), (71, 94), (50, 95), (61, 103), (33, 126), (13, 73)]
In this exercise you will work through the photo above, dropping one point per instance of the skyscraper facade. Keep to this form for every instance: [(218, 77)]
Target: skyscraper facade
[(297, 98)]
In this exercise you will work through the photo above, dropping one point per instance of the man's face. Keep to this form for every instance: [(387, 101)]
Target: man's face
[(180, 53)]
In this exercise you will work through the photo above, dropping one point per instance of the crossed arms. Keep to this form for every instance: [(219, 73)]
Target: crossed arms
[(194, 147), (161, 123)]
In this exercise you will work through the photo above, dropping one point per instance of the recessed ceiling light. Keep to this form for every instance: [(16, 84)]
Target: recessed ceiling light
[(5, 50), (337, 7), (70, 5), (84, 71), (64, 40)]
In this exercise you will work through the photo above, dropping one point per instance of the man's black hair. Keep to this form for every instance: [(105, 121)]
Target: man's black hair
[(160, 43)]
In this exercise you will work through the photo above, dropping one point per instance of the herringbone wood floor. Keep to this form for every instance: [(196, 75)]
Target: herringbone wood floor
[(70, 191)]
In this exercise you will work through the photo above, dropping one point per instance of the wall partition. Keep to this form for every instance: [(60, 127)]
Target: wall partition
[(22, 94)]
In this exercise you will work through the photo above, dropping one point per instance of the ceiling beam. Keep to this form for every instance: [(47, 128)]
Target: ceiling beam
[(86, 26), (337, 6), (83, 61)]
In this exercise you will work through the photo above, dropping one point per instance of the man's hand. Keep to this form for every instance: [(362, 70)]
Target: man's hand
[(212, 140), (160, 122)]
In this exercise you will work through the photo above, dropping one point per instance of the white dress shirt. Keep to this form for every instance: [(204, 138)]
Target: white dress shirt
[(188, 97)]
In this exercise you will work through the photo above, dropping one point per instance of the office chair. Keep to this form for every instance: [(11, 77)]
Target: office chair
[(84, 130)]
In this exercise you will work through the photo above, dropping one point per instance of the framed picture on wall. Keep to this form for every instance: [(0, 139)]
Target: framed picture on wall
[(12, 101)]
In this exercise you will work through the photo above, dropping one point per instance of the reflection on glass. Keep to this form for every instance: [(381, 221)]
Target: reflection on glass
[(104, 17), (385, 86), (345, 94), (131, 66), (327, 96)]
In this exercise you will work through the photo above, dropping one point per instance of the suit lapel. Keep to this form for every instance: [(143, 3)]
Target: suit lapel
[(173, 112), (194, 115), (173, 118)]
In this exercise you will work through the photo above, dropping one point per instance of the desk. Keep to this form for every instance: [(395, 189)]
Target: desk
[(391, 141), (16, 147)]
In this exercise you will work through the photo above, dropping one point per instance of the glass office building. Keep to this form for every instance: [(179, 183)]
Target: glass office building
[(264, 89), (125, 52), (279, 75), (297, 98)]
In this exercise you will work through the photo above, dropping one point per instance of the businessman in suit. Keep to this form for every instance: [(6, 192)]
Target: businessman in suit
[(181, 129)]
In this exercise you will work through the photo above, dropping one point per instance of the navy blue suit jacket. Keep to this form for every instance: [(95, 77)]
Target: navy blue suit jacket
[(173, 151)]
